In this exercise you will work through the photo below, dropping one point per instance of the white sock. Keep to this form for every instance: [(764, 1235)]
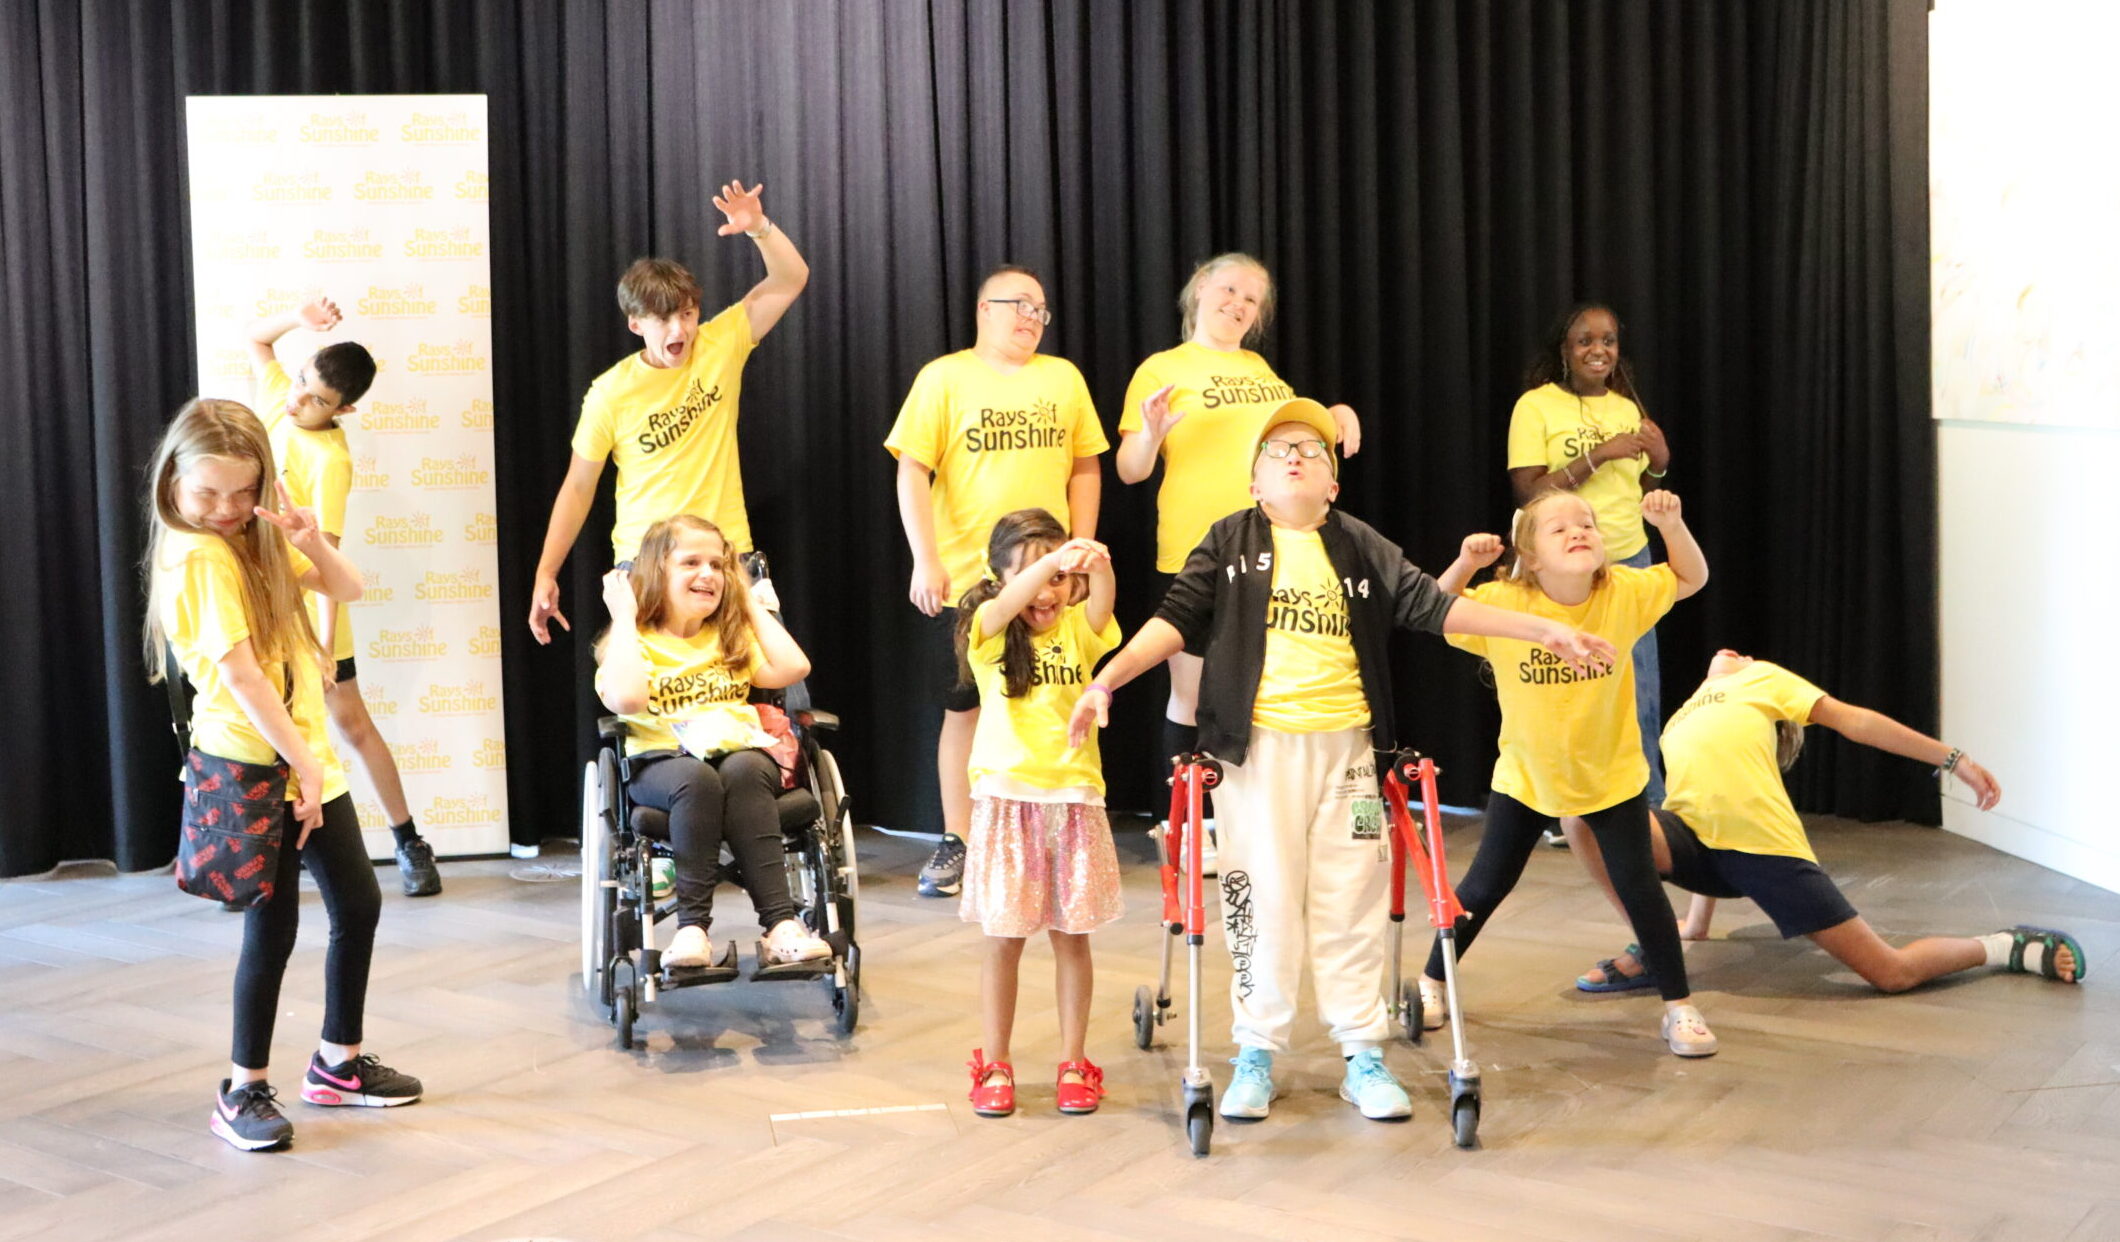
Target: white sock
[(1998, 950)]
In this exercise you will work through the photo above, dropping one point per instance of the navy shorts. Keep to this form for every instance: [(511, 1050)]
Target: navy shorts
[(1795, 892), (955, 698)]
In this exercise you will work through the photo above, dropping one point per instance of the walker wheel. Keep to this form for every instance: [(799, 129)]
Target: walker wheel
[(1200, 1127), (1410, 1007), (1465, 1120), (1144, 1018)]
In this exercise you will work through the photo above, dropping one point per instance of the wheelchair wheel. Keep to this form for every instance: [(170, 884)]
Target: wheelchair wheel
[(597, 899), (624, 1015), (846, 1001), (839, 831)]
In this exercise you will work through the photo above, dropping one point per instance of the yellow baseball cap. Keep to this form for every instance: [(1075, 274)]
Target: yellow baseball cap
[(1305, 411)]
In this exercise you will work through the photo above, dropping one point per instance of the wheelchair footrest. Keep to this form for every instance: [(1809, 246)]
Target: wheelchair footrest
[(724, 970), (800, 972)]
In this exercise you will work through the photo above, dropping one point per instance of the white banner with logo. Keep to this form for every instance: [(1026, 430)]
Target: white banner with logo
[(379, 202)]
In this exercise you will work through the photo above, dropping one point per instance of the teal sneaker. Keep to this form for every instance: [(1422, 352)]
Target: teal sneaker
[(1370, 1087), (1250, 1093)]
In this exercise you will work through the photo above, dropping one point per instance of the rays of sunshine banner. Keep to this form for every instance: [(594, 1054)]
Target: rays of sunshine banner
[(379, 202)]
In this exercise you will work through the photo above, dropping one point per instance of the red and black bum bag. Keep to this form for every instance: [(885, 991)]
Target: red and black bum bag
[(235, 813), (234, 823)]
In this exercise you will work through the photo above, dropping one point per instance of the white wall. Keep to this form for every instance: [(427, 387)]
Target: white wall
[(2030, 541), (2025, 276)]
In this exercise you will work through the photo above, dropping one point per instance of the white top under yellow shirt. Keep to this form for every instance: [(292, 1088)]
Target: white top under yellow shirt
[(689, 680), (1552, 426), (201, 588), (997, 442), (1024, 739), (1207, 455), (317, 467), (1720, 769), (1570, 744), (1311, 681), (671, 431)]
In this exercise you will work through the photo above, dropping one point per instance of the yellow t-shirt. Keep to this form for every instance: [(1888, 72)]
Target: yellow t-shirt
[(1552, 426), (1025, 738), (1570, 744), (997, 442), (1207, 455), (671, 431), (317, 468), (1720, 773), (689, 680), (201, 587), (1311, 681)]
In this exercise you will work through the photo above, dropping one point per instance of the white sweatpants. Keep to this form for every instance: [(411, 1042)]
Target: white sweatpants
[(1304, 877)]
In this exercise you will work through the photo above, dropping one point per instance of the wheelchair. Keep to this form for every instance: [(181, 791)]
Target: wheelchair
[(622, 969)]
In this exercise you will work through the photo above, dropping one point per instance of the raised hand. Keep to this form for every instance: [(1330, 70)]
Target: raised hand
[(1661, 508), (298, 524), (1350, 427), (1079, 556), (1157, 416), (618, 596), (741, 207), (319, 315), (1480, 551)]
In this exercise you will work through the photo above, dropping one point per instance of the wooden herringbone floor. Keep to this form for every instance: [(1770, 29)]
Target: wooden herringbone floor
[(1987, 1108)]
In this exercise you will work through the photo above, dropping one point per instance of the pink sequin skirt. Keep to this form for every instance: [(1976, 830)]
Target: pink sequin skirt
[(1030, 866)]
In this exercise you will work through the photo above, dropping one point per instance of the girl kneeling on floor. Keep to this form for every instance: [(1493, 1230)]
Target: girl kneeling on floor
[(687, 642), (1041, 856)]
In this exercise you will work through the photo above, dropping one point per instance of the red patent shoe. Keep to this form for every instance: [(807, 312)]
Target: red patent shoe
[(1080, 1097), (992, 1099)]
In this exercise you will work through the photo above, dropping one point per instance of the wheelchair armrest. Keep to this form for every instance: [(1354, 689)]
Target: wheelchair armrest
[(818, 718), (610, 728)]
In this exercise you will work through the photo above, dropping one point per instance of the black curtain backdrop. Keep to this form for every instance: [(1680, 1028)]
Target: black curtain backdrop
[(1429, 182)]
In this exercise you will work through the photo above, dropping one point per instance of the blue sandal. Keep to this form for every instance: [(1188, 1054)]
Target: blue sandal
[(1615, 981), (2022, 936)]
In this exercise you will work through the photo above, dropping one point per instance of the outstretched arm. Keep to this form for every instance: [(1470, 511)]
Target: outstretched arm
[(1875, 729)]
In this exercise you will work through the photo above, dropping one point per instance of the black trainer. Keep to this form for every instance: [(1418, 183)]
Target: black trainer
[(248, 1118), (943, 876), (415, 860), (363, 1082)]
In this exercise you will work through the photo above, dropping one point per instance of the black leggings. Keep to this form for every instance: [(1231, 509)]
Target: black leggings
[(346, 880), (1622, 832), (732, 800)]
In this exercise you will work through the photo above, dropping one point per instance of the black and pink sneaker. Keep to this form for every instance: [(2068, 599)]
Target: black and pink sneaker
[(248, 1119), (362, 1082)]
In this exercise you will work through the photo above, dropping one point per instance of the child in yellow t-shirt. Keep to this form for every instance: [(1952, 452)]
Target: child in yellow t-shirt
[(1197, 407), (1728, 829), (986, 431), (1570, 745), (1040, 855), (688, 640), (301, 413), (1579, 426), (1292, 605), (666, 414), (226, 567)]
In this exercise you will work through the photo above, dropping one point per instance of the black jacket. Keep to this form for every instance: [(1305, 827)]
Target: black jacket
[(1219, 601)]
